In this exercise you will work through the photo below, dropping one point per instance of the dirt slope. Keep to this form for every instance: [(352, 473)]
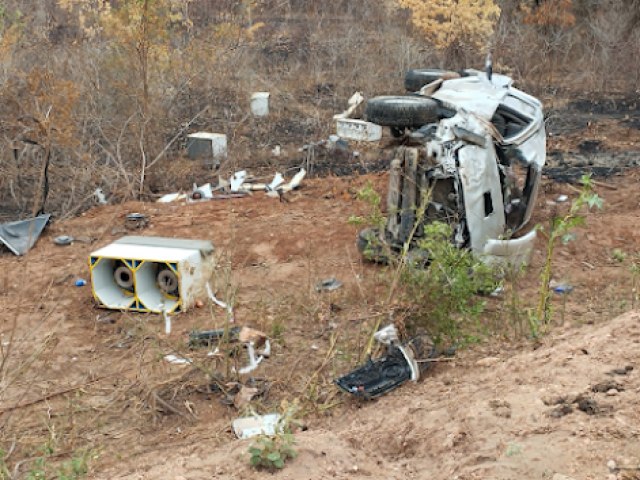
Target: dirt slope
[(476, 418)]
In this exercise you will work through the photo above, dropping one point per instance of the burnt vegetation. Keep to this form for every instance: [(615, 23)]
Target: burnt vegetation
[(102, 94)]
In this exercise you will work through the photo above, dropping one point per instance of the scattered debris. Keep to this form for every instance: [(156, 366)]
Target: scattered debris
[(260, 104), (563, 289), (355, 101), (20, 236), (136, 221), (207, 338), (63, 240), (239, 185), (257, 343), (248, 427), (167, 322), (402, 362), (328, 285), (151, 274), (172, 197), (100, 196), (81, 282), (220, 303), (176, 360), (562, 199), (210, 146)]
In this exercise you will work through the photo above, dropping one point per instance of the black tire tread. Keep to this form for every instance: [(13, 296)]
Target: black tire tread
[(402, 111)]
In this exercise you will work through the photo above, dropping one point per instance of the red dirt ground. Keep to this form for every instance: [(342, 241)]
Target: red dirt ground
[(78, 377)]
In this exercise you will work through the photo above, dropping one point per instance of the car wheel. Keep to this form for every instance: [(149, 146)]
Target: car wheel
[(415, 79), (402, 111)]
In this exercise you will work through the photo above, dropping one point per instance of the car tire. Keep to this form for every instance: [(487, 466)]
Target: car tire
[(415, 79), (402, 111)]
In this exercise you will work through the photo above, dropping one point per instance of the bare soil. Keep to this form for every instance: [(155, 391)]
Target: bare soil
[(80, 378)]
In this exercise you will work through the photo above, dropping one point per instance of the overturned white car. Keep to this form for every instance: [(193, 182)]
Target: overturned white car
[(481, 146)]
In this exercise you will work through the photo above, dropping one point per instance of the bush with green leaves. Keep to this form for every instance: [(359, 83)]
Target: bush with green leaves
[(443, 294), (272, 451)]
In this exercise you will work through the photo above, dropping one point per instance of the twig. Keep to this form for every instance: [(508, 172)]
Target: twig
[(435, 360), (69, 389), (172, 141)]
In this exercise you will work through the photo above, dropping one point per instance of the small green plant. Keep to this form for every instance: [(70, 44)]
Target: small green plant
[(635, 279), (444, 293), (374, 217), (560, 230), (76, 468), (618, 255), (513, 449), (271, 452)]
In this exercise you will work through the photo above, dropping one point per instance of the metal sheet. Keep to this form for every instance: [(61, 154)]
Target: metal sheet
[(21, 236)]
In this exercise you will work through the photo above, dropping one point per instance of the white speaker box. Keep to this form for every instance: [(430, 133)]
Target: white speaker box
[(151, 274)]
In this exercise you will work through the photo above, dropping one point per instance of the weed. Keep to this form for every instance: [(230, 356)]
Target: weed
[(618, 255), (513, 449), (560, 229), (444, 293), (438, 280), (271, 452), (4, 468), (635, 279)]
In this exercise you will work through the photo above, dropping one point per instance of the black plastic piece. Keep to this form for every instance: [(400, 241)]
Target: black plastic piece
[(377, 377), (206, 338)]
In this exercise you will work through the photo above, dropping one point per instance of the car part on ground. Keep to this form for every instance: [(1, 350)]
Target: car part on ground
[(479, 161), (20, 236), (400, 363), (151, 274)]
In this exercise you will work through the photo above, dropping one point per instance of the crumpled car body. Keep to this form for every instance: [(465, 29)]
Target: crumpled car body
[(479, 160)]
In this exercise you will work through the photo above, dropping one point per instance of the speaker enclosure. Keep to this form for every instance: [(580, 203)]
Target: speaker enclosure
[(156, 265)]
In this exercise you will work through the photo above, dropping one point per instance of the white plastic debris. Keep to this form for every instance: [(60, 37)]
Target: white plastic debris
[(278, 180), (387, 335), (237, 180), (167, 322), (203, 192), (176, 360), (220, 303), (248, 427), (295, 181), (100, 196), (354, 102), (171, 197), (253, 360)]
